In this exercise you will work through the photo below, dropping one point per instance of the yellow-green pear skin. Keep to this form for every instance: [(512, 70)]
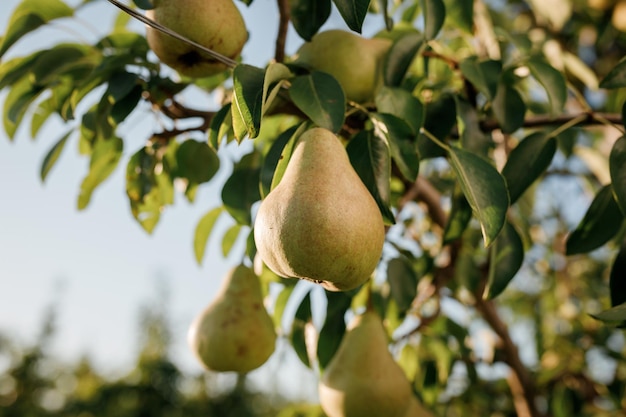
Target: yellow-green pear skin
[(355, 61), (235, 332), (215, 24), (320, 223), (362, 379)]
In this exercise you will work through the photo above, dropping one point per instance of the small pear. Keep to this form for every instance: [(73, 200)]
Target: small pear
[(320, 222), (235, 332), (362, 379), (355, 61), (215, 24)]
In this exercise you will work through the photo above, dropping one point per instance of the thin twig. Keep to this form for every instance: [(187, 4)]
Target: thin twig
[(231, 63), (283, 26)]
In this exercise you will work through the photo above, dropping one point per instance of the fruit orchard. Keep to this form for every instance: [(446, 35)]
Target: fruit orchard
[(421, 180)]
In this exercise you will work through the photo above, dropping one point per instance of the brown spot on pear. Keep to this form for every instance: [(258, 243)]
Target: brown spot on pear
[(320, 223), (355, 61), (362, 379), (215, 24), (234, 332)]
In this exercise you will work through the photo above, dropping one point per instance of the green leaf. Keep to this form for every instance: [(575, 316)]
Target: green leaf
[(75, 60), (203, 232), (616, 78), (196, 161), (353, 12), (229, 239), (53, 155), (219, 127), (41, 114), (297, 335), (285, 154), (308, 16), (553, 81), (402, 104), (601, 222), (401, 140), (399, 58), (506, 258), (30, 15), (241, 189), (434, 15), (460, 13), (402, 281), (473, 138), (273, 156), (334, 327), (485, 190), (483, 74), (617, 167), (320, 96), (16, 103), (104, 159), (248, 98), (13, 70), (369, 155), (527, 161), (273, 84), (458, 219), (614, 314), (617, 279), (440, 119), (144, 4), (508, 108)]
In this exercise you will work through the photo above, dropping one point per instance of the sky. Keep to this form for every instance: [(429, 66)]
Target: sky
[(97, 267)]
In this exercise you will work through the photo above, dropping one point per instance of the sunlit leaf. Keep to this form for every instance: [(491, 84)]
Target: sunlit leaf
[(17, 101), (203, 232), (334, 327), (273, 156), (617, 167), (308, 16), (272, 86), (285, 154), (353, 12), (613, 314), (248, 97), (473, 138), (370, 157), (104, 159), (458, 219), (506, 258), (485, 190), (30, 15), (53, 155), (601, 222), (220, 125), (229, 239), (527, 161), (320, 96)]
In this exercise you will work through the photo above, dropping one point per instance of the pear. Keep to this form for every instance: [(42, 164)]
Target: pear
[(355, 61), (235, 332), (320, 223), (417, 410), (362, 379), (215, 24)]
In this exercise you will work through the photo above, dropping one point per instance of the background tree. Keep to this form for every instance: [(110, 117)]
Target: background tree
[(496, 122)]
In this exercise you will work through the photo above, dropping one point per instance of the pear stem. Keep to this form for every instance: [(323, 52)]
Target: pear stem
[(231, 63), (434, 139)]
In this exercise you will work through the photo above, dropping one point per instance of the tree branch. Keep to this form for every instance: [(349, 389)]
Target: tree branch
[(283, 26), (521, 384)]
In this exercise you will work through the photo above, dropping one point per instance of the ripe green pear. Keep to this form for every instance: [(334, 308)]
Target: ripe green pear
[(355, 62), (320, 223), (362, 379), (235, 332), (215, 24)]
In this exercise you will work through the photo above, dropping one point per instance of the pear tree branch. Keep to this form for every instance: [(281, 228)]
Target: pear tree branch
[(283, 26)]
